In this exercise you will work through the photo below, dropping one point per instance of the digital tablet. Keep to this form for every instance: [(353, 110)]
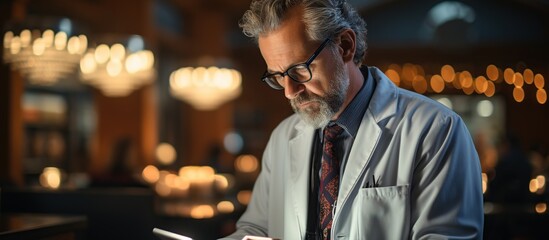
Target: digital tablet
[(249, 237), (167, 235)]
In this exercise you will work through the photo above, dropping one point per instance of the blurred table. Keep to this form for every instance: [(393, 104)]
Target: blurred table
[(40, 226)]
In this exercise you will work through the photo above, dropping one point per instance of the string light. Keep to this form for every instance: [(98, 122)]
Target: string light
[(413, 77)]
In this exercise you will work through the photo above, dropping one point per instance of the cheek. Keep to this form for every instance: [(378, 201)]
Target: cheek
[(319, 85), (325, 73), (325, 78)]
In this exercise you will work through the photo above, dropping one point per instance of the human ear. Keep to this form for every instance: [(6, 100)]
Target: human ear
[(347, 45)]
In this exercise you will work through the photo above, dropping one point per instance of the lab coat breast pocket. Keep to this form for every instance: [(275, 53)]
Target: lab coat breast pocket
[(381, 213)]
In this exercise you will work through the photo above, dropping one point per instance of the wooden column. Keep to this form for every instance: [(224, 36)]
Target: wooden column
[(11, 123)]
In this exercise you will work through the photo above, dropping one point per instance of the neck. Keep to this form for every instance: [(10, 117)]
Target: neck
[(356, 80)]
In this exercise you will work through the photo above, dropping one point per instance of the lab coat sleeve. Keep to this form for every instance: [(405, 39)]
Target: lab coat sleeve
[(446, 196)]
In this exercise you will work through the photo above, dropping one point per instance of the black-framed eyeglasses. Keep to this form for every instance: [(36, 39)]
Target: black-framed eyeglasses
[(299, 73)]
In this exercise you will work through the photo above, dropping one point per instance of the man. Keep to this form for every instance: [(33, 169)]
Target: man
[(398, 165)]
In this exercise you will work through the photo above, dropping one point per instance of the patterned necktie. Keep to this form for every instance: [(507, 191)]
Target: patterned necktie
[(329, 179)]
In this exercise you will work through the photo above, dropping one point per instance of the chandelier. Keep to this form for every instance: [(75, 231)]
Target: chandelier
[(205, 88), (117, 70), (44, 58)]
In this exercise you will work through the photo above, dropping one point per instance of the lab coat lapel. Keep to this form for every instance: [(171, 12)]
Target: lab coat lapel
[(368, 136), (382, 105), (300, 158)]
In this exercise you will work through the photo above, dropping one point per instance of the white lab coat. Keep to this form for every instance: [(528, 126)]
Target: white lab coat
[(422, 153)]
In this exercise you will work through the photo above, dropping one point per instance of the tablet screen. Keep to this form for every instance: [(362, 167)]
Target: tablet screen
[(167, 235)]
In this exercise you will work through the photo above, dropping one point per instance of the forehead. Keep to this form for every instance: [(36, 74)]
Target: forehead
[(286, 45)]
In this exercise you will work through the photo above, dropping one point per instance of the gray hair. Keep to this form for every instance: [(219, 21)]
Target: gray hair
[(322, 18)]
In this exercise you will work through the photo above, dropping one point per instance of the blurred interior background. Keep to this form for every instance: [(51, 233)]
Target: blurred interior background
[(120, 116)]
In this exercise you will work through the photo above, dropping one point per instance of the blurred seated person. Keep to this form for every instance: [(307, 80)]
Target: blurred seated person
[(512, 174), (121, 172)]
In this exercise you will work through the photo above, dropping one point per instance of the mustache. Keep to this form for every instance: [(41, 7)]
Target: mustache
[(305, 97)]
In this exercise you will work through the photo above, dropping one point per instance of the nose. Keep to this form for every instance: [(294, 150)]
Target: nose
[(292, 89)]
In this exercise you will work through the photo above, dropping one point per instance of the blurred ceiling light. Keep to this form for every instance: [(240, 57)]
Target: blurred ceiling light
[(481, 84), (446, 102), (484, 182), (465, 81), (509, 76), (448, 73), (183, 184), (50, 178), (393, 75), (244, 197), (221, 182), (541, 96), (44, 58), (162, 189), (225, 207), (437, 83), (202, 211), (246, 163), (528, 76), (519, 80), (518, 94), (533, 186), (492, 72), (450, 10), (541, 208), (205, 88), (165, 153), (419, 83), (539, 81), (541, 181), (490, 90), (233, 142), (171, 180), (485, 108), (198, 174), (118, 70), (151, 174)]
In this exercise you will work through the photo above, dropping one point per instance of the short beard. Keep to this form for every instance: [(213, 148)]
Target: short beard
[(329, 105)]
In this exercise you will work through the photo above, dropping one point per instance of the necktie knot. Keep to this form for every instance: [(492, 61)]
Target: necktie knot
[(332, 131)]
